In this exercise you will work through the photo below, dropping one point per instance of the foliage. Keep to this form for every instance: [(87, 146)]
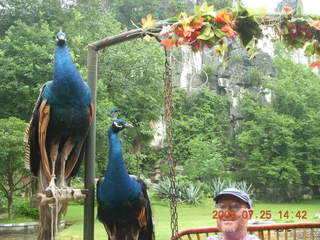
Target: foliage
[(267, 141), (31, 12), (23, 209), (13, 176), (217, 185), (205, 159), (297, 96), (200, 126), (252, 78), (247, 26), (208, 72), (26, 63), (218, 4), (186, 191), (278, 143), (130, 12)]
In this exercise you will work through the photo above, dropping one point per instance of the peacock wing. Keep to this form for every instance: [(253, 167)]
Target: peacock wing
[(145, 215), (77, 155), (74, 159), (34, 147)]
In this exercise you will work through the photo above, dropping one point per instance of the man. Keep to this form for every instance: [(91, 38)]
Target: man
[(234, 209)]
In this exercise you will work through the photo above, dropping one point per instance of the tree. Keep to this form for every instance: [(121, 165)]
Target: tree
[(131, 12), (32, 11), (297, 95), (200, 127), (205, 160), (26, 54), (267, 141), (278, 144), (13, 175)]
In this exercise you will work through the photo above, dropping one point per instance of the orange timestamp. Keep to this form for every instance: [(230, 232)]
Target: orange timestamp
[(261, 214)]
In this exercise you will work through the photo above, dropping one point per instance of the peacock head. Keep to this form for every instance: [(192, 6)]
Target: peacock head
[(61, 38), (114, 113), (119, 124)]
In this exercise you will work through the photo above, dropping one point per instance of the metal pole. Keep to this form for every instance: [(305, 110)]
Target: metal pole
[(88, 230)]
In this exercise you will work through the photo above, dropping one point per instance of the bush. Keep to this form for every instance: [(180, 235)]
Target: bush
[(23, 209), (191, 194), (216, 185), (186, 191)]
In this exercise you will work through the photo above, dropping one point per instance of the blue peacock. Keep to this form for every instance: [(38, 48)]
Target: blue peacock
[(58, 128), (123, 203)]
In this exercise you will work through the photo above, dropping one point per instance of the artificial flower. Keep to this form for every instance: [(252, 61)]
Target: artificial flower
[(148, 22), (223, 17)]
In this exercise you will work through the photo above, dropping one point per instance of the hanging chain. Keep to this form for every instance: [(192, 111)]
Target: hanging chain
[(168, 121)]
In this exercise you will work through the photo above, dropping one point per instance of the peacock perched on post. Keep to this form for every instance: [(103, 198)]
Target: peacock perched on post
[(123, 203), (57, 132)]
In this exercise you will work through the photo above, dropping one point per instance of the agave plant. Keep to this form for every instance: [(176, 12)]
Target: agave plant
[(217, 185), (186, 192)]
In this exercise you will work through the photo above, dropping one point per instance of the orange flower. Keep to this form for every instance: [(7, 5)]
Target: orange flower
[(288, 10), (316, 24), (197, 23), (169, 43), (148, 22), (229, 31), (179, 31), (223, 17), (316, 64)]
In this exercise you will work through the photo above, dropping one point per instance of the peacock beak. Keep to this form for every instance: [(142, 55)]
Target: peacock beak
[(128, 125)]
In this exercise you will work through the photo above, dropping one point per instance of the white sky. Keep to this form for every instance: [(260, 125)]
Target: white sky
[(309, 6)]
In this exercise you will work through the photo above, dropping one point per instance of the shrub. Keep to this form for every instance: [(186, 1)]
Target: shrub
[(23, 209), (191, 194), (216, 185), (186, 191)]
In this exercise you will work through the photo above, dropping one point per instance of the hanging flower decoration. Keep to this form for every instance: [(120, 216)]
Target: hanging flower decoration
[(300, 33), (207, 28)]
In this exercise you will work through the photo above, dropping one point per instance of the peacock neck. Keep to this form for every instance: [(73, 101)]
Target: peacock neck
[(116, 167), (117, 186), (64, 69), (67, 85)]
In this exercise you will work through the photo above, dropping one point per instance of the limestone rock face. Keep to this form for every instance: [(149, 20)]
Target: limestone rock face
[(242, 75)]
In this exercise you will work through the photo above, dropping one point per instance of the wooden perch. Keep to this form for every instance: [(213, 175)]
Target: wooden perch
[(62, 195)]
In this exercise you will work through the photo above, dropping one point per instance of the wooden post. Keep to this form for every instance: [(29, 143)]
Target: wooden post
[(88, 231)]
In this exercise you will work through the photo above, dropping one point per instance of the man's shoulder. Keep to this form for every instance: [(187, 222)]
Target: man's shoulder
[(213, 238), (248, 237), (252, 237)]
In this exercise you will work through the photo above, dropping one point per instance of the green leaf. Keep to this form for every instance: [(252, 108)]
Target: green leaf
[(219, 33), (203, 10), (207, 33)]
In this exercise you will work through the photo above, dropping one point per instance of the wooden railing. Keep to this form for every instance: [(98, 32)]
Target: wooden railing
[(283, 231)]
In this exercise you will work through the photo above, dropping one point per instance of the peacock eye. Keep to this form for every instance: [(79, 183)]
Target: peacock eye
[(117, 124)]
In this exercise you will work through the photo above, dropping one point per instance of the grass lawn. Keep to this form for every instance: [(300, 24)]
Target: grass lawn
[(15, 220), (193, 216)]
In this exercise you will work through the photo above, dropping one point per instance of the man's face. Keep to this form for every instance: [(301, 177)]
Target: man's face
[(232, 222)]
